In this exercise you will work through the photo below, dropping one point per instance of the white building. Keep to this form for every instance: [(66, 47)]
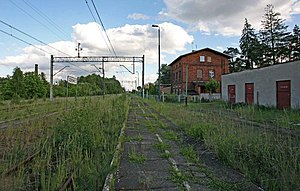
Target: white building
[(277, 85)]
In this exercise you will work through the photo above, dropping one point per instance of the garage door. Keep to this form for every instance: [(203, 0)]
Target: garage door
[(283, 94), (231, 93), (249, 93)]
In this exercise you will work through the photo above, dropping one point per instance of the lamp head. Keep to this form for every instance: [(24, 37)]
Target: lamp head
[(155, 26)]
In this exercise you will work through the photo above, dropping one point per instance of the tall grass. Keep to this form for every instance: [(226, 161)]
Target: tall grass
[(270, 159), (283, 118), (81, 144)]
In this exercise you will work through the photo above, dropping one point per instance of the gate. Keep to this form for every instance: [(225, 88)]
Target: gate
[(231, 94), (283, 97), (249, 93)]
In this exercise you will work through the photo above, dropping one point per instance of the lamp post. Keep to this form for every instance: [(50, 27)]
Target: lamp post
[(156, 26)]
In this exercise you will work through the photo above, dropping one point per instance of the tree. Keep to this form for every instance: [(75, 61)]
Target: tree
[(212, 85), (249, 45), (235, 64), (34, 87), (165, 74), (17, 82), (153, 89), (273, 35), (295, 43)]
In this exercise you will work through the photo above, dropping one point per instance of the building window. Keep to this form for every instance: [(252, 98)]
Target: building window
[(209, 59), (202, 58), (211, 73), (199, 74)]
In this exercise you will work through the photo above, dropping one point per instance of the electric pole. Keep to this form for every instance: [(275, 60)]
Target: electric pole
[(51, 78), (78, 49)]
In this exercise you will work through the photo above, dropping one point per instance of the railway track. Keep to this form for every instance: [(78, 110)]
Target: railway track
[(64, 185), (61, 159), (267, 126), (32, 117), (17, 122)]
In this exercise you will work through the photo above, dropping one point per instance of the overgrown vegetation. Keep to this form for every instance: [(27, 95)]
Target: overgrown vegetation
[(79, 148), (136, 157), (29, 85), (282, 118), (269, 158)]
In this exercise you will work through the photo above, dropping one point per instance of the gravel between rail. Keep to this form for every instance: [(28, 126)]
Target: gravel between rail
[(156, 155)]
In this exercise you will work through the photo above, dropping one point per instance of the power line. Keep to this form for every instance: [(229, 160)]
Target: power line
[(36, 20), (28, 35), (103, 27), (109, 49), (24, 41), (45, 17)]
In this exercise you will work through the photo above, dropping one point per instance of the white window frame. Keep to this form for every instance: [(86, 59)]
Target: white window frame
[(202, 58)]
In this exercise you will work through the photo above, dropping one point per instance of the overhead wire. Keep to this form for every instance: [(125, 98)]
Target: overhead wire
[(40, 13), (91, 12), (103, 27), (30, 36), (45, 17), (35, 19), (24, 41)]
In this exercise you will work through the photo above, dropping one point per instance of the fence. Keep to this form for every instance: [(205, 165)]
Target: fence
[(191, 98)]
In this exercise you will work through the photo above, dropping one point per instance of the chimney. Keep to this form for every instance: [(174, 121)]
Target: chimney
[(36, 70)]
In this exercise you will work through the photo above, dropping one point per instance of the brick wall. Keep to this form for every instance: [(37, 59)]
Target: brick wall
[(212, 62)]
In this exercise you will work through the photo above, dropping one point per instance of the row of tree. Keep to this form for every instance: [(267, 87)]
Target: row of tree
[(272, 44), (30, 85)]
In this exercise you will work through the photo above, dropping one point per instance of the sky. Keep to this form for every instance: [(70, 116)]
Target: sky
[(185, 25)]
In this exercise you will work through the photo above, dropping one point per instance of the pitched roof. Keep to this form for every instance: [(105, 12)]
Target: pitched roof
[(204, 49)]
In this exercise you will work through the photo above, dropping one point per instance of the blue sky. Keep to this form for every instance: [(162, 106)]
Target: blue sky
[(185, 25)]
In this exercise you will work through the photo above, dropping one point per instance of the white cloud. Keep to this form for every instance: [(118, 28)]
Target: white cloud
[(128, 40), (138, 16), (220, 48), (296, 7), (225, 17)]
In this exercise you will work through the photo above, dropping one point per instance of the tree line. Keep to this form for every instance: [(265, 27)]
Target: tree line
[(30, 85), (271, 44)]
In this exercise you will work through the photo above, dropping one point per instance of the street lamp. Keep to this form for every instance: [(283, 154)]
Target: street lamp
[(156, 26)]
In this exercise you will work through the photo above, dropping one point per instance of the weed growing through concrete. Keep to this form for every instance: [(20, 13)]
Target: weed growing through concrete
[(161, 146), (171, 136), (135, 157), (190, 154)]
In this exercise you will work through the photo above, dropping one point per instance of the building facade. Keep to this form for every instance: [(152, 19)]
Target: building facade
[(275, 86), (202, 65)]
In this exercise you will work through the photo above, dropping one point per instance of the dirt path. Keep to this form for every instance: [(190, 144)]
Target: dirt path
[(157, 156)]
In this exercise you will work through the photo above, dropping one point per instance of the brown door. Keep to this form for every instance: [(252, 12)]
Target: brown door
[(231, 93), (249, 93), (283, 94)]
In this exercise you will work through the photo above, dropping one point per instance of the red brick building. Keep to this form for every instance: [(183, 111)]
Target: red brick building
[(202, 65)]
